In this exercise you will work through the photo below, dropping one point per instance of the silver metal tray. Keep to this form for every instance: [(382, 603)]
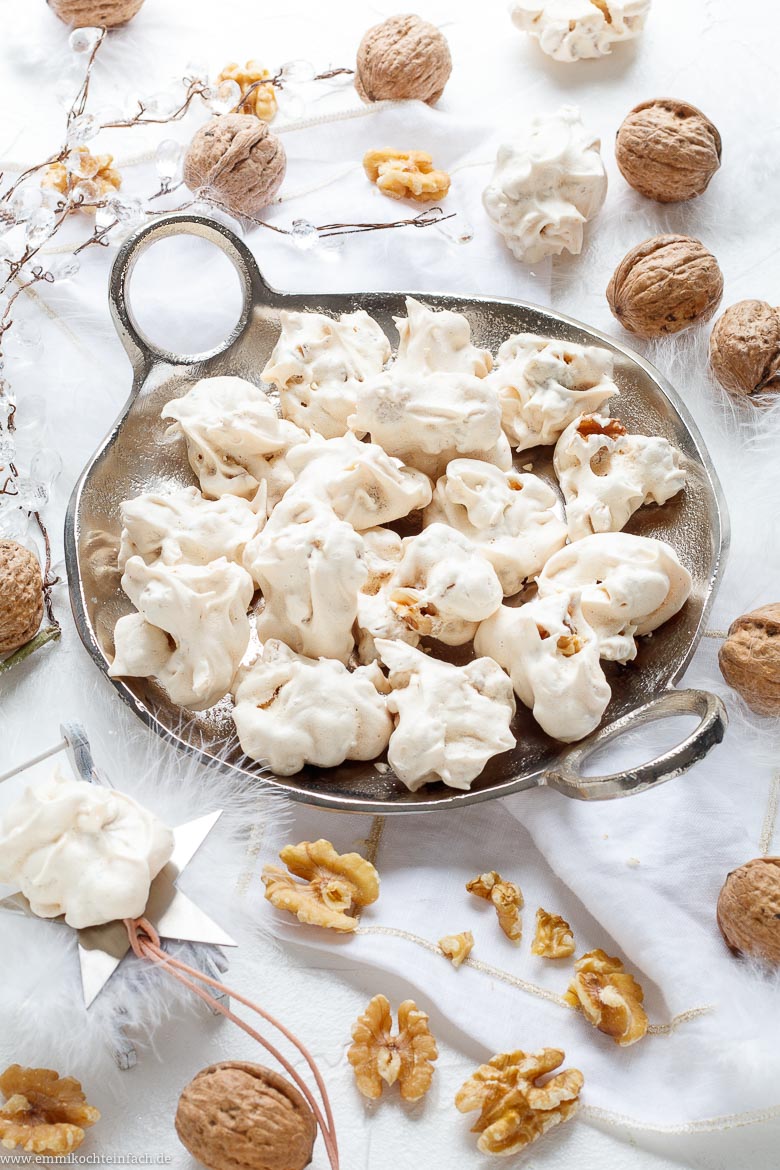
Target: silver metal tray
[(135, 457)]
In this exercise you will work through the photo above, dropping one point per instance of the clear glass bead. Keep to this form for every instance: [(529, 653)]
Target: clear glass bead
[(82, 164), (87, 191), (26, 201), (196, 71), (39, 226), (298, 70), (162, 104), (25, 333), (127, 211), (14, 524), (7, 447), (63, 267), (46, 466), (104, 217), (83, 40), (458, 230), (222, 98), (304, 234), (167, 160), (82, 129), (32, 494)]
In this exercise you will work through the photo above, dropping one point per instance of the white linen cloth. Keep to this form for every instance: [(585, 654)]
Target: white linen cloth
[(638, 877)]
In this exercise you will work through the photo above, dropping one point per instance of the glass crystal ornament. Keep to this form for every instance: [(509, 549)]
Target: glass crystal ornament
[(82, 129), (63, 267), (162, 104), (26, 333), (167, 161), (298, 70), (458, 230), (222, 98), (26, 200), (82, 164), (39, 227), (31, 494), (196, 71), (127, 211), (7, 447), (14, 522), (46, 466), (304, 234), (83, 40), (104, 217)]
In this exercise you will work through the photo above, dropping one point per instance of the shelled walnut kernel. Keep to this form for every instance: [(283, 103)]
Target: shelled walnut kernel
[(553, 938), (457, 947), (608, 997), (43, 1114), (406, 174), (335, 885), (505, 896), (379, 1058)]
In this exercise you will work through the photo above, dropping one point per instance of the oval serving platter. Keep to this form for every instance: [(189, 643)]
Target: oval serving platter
[(136, 456)]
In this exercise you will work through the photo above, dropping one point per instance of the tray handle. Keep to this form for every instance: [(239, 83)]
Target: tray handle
[(140, 349), (567, 776)]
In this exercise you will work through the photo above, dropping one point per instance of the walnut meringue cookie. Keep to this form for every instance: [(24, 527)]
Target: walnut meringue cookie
[(319, 364), (512, 518), (236, 443), (443, 588), (290, 711), (179, 526), (606, 474), (552, 657), (191, 631), (450, 720), (543, 384), (82, 850), (438, 341), (383, 549), (572, 30), (629, 586), (310, 567), (548, 182), (361, 483)]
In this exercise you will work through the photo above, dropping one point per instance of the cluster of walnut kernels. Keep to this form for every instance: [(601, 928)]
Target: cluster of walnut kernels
[(322, 887)]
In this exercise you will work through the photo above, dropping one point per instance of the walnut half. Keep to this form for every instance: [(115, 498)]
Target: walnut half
[(379, 1058), (43, 1113), (406, 174), (515, 1109), (554, 938), (608, 997), (505, 896), (334, 887)]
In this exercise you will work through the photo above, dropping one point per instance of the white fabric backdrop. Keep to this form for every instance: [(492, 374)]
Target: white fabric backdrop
[(638, 877)]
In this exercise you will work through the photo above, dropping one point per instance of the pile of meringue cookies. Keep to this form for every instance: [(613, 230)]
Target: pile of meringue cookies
[(284, 582)]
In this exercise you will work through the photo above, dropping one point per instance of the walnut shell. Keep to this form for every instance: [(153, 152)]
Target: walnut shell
[(403, 57), (237, 159), (745, 348), (95, 13), (664, 285), (241, 1116), (749, 909), (668, 150), (749, 659), (21, 595)]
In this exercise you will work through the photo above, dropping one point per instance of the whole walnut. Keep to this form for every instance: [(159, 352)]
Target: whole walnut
[(403, 57), (21, 595), (749, 910), (668, 150), (95, 13), (745, 348), (241, 1116), (238, 160), (749, 659), (664, 285)]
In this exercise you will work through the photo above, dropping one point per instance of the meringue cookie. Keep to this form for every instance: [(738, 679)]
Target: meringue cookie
[(548, 181), (571, 30), (512, 518), (202, 610), (450, 719), (181, 526), (319, 364), (606, 474), (235, 441), (426, 420), (443, 588), (438, 342), (359, 481), (291, 710), (310, 567), (629, 585), (552, 657), (376, 619), (543, 384), (82, 850)]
